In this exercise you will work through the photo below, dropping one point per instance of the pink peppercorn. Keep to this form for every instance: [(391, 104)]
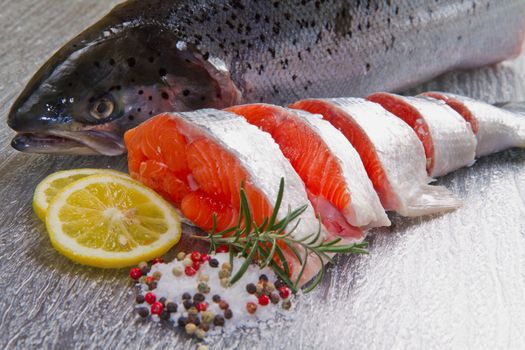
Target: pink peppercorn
[(284, 292), (150, 298), (190, 271), (135, 273), (195, 256), (157, 308), (264, 300)]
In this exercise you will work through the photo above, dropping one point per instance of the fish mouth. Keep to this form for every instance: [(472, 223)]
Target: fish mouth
[(66, 142)]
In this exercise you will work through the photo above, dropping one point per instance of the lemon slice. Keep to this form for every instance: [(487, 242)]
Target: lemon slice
[(51, 185), (110, 221)]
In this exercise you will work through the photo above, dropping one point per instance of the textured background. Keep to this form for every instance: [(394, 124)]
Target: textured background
[(452, 281)]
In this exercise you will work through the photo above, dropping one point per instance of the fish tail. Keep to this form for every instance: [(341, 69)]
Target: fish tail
[(428, 199)]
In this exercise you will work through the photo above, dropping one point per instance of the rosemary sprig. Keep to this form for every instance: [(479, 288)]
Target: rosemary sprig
[(270, 242)]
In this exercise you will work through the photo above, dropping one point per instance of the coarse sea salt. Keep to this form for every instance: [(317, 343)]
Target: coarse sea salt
[(173, 287)]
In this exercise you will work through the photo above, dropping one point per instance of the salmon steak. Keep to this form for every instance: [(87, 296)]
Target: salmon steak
[(385, 143), (335, 179), (448, 139), (496, 129)]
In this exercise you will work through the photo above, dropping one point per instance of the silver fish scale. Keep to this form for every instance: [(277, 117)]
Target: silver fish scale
[(347, 48)]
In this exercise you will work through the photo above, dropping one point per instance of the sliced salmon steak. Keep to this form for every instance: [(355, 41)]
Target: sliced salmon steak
[(448, 139), (392, 154), (335, 179), (496, 129), (199, 160)]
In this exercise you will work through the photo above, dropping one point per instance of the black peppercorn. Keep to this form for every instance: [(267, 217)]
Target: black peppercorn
[(162, 301), (218, 321), (164, 315), (140, 299), (214, 263), (182, 321), (186, 296), (263, 278), (187, 304), (194, 319), (198, 297), (251, 288), (279, 284), (143, 312), (171, 307), (228, 313), (216, 298)]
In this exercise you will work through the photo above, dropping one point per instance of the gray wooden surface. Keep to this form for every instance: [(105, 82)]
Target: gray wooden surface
[(451, 281)]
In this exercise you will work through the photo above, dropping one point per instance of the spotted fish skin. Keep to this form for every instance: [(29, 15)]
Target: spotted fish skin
[(194, 54)]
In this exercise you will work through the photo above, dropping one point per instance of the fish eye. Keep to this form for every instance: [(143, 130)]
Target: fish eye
[(102, 108)]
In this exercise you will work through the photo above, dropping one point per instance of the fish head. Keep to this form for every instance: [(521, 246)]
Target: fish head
[(110, 79)]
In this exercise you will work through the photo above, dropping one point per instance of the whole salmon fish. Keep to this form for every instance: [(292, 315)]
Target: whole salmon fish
[(152, 56)]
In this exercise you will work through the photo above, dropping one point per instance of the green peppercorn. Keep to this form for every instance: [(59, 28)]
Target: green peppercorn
[(269, 288), (157, 275), (224, 273), (203, 288), (190, 328), (143, 265), (176, 271), (207, 316), (225, 282), (193, 311), (181, 256), (204, 278), (287, 304), (200, 333), (226, 266)]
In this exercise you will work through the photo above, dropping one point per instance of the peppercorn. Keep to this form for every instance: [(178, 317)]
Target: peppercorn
[(200, 333), (274, 298), (214, 263), (226, 266), (224, 273), (228, 313), (156, 308), (195, 256), (181, 256), (152, 285), (264, 300), (205, 257), (284, 292), (190, 271), (205, 326), (268, 288), (207, 316), (279, 284), (157, 260), (187, 262), (225, 282), (263, 278), (164, 315), (203, 288), (135, 273), (204, 278), (187, 304), (198, 297), (190, 328), (142, 265), (196, 265), (259, 289), (202, 347), (216, 298), (186, 296), (143, 312), (162, 301), (223, 305), (140, 299), (176, 271), (193, 311), (171, 307), (287, 304), (251, 307), (202, 306), (157, 275), (218, 321), (251, 288), (145, 269), (193, 318), (150, 298), (182, 321)]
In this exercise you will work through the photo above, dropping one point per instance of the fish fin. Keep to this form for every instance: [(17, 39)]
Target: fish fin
[(428, 199)]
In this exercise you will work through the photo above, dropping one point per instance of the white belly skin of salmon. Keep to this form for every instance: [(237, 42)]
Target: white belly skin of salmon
[(152, 56)]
